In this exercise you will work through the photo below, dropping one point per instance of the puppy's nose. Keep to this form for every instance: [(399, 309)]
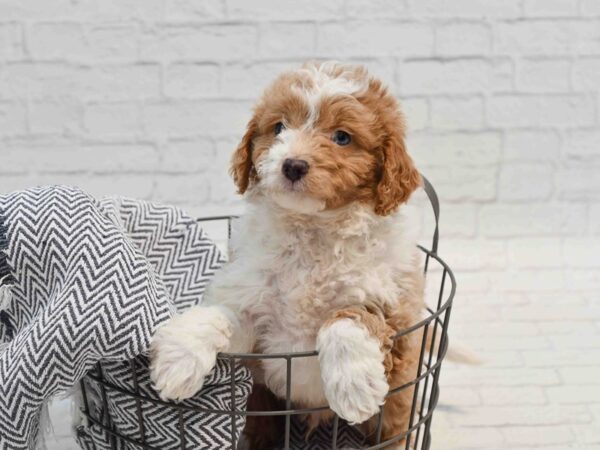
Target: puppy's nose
[(294, 169)]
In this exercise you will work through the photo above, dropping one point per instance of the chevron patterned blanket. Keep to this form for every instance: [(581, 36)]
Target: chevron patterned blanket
[(85, 280)]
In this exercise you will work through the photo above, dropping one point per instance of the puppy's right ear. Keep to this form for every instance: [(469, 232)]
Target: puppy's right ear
[(241, 163)]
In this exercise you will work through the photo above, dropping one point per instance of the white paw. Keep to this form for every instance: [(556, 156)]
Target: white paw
[(184, 351), (352, 370)]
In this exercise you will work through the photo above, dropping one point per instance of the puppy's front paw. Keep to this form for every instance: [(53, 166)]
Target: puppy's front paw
[(352, 370), (184, 351)]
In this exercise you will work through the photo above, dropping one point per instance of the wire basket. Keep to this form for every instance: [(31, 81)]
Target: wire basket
[(441, 289)]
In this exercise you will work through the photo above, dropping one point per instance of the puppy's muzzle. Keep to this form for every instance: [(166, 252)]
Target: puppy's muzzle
[(294, 169)]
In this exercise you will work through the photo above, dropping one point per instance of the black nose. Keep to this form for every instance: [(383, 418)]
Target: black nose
[(294, 169)]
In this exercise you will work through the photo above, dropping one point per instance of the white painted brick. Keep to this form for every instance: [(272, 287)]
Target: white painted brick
[(580, 394), (525, 182), (460, 396), (547, 75), (532, 220), (203, 43), (263, 10), (292, 40), (241, 80), (416, 113), (539, 435), (188, 189), (364, 39), (195, 118), (586, 73), (526, 415), (580, 375), (464, 183), (534, 253), (72, 41), (585, 37), (11, 41), (196, 155), (454, 76), (110, 120), (531, 145), (467, 8), (519, 111), (533, 37), (455, 149), (514, 395), (582, 252), (595, 218), (463, 39), (590, 7), (471, 254), (459, 220), (457, 113), (188, 81), (185, 10), (55, 117), (561, 358), (13, 118), (111, 158), (376, 9), (578, 183), (583, 143), (548, 8)]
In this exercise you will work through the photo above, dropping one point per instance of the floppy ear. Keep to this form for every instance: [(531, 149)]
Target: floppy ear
[(399, 176), (241, 163)]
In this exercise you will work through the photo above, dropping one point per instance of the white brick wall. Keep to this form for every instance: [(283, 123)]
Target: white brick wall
[(148, 98)]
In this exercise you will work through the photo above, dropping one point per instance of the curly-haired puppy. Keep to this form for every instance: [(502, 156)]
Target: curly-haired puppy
[(325, 258)]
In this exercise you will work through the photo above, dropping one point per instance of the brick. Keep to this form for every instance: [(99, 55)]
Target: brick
[(456, 184), (532, 220), (470, 254), (72, 41), (595, 218), (551, 8), (182, 189), (125, 185), (578, 183), (13, 118), (590, 7), (463, 39), (376, 9), (292, 40), (181, 156), (205, 10), (248, 81), (533, 38), (191, 80), (525, 182), (574, 394), (514, 395), (562, 358), (467, 8), (581, 375), (586, 73), (454, 76), (456, 149), (584, 144), (195, 118), (460, 396), (365, 39), (55, 117), (202, 43), (416, 113), (114, 158), (109, 120), (582, 252), (518, 111), (538, 435), (544, 75), (11, 41), (535, 253), (457, 113), (267, 10), (531, 145), (526, 415), (507, 376)]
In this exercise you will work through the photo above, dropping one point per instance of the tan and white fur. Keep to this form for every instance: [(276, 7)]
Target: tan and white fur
[(325, 257)]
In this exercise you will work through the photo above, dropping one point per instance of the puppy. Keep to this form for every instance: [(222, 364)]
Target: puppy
[(325, 257)]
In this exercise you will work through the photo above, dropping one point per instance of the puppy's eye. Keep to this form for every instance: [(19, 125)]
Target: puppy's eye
[(341, 138), (279, 127)]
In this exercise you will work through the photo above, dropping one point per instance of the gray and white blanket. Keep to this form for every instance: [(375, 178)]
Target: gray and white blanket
[(83, 281)]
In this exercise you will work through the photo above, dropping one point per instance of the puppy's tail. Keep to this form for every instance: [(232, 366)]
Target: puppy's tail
[(456, 352)]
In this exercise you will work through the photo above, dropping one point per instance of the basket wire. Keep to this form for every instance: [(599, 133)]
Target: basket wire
[(417, 436)]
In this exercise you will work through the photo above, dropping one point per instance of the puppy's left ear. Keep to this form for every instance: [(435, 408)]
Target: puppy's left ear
[(399, 176), (241, 163)]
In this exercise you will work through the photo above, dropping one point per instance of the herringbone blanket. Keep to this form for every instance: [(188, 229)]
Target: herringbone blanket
[(84, 281)]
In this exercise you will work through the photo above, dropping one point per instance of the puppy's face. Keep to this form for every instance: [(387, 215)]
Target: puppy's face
[(325, 136)]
